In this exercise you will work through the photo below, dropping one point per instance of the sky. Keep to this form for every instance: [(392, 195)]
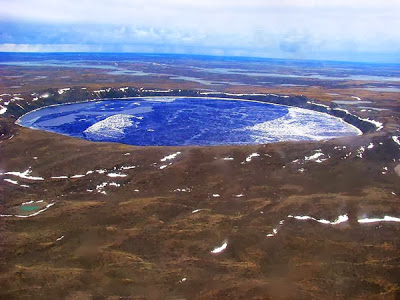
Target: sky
[(352, 30)]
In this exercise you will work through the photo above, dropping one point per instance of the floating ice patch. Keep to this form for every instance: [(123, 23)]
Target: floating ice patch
[(300, 124), (160, 99), (111, 127), (220, 249)]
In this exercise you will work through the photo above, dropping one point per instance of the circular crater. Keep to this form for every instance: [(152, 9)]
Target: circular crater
[(177, 121)]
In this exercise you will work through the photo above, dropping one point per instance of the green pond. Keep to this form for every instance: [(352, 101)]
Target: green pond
[(29, 207)]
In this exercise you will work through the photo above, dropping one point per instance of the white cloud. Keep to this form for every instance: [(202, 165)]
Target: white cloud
[(50, 48), (292, 27)]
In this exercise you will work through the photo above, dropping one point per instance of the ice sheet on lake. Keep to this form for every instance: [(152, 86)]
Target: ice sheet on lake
[(300, 124), (111, 127)]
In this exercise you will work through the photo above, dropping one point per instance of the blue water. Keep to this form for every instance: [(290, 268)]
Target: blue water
[(166, 121)]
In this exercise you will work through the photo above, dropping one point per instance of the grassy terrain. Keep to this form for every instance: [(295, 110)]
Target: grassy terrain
[(142, 244)]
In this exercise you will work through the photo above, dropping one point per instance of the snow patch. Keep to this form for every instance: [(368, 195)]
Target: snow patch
[(78, 176), (374, 220), (11, 181), (25, 175), (228, 158), (113, 175), (220, 249), (396, 140), (62, 91), (317, 157), (60, 238), (250, 157), (340, 219), (169, 157)]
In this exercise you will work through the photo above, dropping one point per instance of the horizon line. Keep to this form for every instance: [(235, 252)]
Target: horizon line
[(205, 55)]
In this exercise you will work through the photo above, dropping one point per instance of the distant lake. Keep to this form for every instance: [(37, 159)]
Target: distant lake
[(172, 121)]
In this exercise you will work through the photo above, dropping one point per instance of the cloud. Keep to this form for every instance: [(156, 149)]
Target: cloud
[(50, 48), (294, 28)]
